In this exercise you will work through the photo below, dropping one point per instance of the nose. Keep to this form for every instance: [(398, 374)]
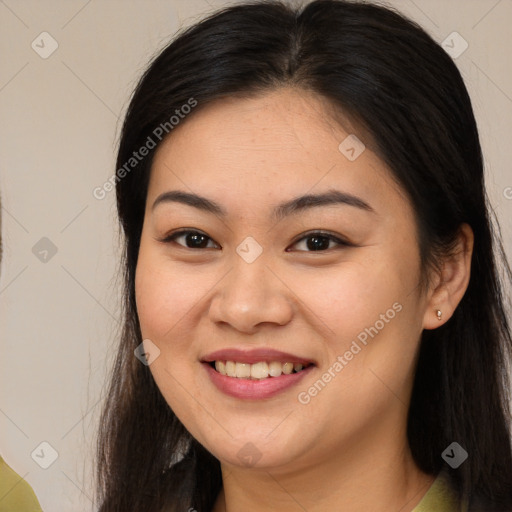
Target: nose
[(251, 295)]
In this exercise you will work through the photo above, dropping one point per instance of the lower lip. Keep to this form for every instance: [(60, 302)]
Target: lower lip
[(253, 389)]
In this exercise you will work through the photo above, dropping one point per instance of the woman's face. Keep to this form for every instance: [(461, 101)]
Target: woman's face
[(257, 282)]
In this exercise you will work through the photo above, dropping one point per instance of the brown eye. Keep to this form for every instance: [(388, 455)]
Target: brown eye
[(314, 242), (319, 242), (192, 239)]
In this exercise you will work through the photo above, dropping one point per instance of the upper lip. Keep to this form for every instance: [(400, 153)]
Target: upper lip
[(255, 356)]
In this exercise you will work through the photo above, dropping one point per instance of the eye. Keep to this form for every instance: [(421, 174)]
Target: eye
[(192, 239), (318, 241)]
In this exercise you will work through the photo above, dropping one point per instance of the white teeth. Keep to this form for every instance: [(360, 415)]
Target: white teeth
[(260, 370), (230, 368), (275, 368), (287, 368), (220, 366), (242, 370)]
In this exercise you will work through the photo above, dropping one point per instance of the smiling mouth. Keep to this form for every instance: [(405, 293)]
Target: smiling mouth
[(257, 371)]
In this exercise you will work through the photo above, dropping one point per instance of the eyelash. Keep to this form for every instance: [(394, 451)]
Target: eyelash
[(312, 234)]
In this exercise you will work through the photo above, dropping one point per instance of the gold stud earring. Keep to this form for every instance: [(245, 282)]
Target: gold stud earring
[(439, 314)]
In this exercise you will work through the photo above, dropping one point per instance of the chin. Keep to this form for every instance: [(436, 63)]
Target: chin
[(251, 457), (253, 450)]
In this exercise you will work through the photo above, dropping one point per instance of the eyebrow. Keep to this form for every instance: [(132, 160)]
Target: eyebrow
[(293, 206)]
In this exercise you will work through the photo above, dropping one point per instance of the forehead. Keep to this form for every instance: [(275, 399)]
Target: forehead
[(279, 144)]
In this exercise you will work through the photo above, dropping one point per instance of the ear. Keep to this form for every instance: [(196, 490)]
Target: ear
[(451, 282)]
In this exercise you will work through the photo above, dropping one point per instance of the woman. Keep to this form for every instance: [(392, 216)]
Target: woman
[(313, 314)]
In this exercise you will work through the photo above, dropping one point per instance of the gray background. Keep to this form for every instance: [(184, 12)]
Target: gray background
[(60, 118)]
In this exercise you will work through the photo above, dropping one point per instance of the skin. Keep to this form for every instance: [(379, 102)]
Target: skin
[(346, 449)]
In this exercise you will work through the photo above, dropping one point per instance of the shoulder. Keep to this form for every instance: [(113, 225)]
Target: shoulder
[(473, 503), (443, 497), (15, 492)]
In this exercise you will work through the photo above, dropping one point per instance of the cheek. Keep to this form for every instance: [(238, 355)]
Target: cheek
[(367, 314), (167, 298), (165, 295), (344, 301)]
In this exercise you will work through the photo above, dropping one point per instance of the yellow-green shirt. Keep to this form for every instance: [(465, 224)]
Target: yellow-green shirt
[(440, 498), (16, 495)]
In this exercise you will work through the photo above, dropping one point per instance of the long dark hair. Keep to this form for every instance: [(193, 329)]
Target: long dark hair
[(386, 73)]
